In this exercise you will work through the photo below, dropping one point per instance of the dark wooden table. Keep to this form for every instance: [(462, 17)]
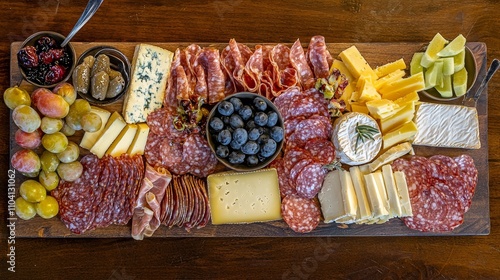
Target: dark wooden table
[(346, 21)]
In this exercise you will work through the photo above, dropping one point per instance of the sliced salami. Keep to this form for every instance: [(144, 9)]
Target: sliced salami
[(209, 58), (310, 180), (319, 57), (469, 173), (310, 129), (322, 150), (285, 187), (296, 169), (299, 61), (293, 156), (301, 214)]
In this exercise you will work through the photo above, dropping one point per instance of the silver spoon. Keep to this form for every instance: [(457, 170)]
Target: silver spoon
[(472, 100), (89, 11)]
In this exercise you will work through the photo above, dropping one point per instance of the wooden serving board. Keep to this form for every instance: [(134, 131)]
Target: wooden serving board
[(476, 220)]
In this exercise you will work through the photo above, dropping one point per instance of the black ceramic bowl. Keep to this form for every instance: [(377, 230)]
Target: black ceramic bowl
[(118, 62), (470, 66), (31, 40), (246, 98)]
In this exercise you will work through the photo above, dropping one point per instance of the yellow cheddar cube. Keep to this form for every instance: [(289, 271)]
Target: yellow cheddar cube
[(356, 63), (401, 134), (390, 67)]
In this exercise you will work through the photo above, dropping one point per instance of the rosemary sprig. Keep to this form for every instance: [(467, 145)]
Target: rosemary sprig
[(364, 132)]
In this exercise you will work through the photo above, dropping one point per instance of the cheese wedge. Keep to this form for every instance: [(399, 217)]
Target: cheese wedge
[(411, 97), (111, 131), (363, 211), (404, 197), (331, 199), (139, 143), (403, 87), (392, 192), (394, 76), (404, 133), (365, 91), (359, 108), (89, 138), (382, 108), (349, 198), (390, 155), (123, 141), (244, 197), (390, 67), (402, 116), (148, 80), (356, 63)]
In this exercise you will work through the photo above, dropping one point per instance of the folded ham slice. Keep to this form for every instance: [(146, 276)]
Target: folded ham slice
[(147, 211)]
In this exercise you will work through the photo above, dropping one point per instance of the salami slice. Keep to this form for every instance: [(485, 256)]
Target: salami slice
[(416, 179), (298, 60), (322, 150), (293, 156), (209, 58), (296, 169), (285, 187), (319, 57), (310, 129), (301, 214), (170, 100), (284, 101), (310, 180), (469, 174)]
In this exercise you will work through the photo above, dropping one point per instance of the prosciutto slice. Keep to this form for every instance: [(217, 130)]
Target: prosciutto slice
[(147, 211)]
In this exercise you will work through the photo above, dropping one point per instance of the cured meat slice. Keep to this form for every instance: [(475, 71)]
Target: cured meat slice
[(305, 106), (198, 155), (209, 58), (322, 150), (233, 59), (284, 101), (285, 187), (310, 129), (183, 88), (443, 167), (170, 100), (299, 61), (469, 174), (161, 123), (201, 88), (296, 169), (319, 57), (253, 70), (291, 124), (416, 179), (293, 156), (301, 214), (171, 156), (310, 180)]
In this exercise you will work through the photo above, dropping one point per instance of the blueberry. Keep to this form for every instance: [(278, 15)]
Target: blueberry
[(254, 134), (240, 135), (222, 151), (260, 119), (250, 124), (272, 119), (250, 148), (235, 145), (263, 139), (225, 108), (277, 133), (268, 148), (236, 103), (252, 160), (224, 137), (235, 121), (245, 112), (259, 104), (216, 124), (236, 157)]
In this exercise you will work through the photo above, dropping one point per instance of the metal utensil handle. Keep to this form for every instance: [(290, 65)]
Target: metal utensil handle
[(495, 64), (89, 11)]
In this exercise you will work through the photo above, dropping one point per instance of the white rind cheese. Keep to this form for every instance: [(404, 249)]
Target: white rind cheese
[(345, 136), (244, 197), (150, 71), (450, 126), (330, 198)]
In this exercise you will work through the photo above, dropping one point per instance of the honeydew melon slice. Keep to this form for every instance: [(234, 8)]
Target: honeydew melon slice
[(460, 82), (454, 47), (415, 66), (431, 53), (459, 61), (446, 89)]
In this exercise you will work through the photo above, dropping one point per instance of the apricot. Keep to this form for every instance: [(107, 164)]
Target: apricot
[(26, 161), (28, 140)]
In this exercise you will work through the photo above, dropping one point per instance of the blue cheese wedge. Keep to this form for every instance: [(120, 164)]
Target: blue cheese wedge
[(150, 71), (244, 197), (447, 126), (345, 138)]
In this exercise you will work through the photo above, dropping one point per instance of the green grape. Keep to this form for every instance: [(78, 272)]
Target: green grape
[(32, 191), (51, 125), (70, 154), (49, 161), (26, 118), (55, 143), (67, 130), (70, 171), (49, 180), (47, 208), (15, 96), (24, 209), (91, 122), (79, 108)]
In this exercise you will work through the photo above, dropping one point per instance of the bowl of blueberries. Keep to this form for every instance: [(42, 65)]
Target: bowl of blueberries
[(245, 131)]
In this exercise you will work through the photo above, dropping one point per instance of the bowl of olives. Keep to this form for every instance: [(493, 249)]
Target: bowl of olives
[(43, 62), (245, 131), (101, 75)]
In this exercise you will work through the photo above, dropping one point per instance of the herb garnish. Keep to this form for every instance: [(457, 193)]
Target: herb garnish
[(364, 132)]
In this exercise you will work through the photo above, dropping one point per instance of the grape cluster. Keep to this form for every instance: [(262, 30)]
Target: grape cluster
[(245, 131)]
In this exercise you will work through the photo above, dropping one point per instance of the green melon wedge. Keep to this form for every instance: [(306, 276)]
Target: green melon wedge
[(448, 65), (454, 47), (436, 45), (460, 82), (446, 89), (433, 75), (459, 61), (415, 66)]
